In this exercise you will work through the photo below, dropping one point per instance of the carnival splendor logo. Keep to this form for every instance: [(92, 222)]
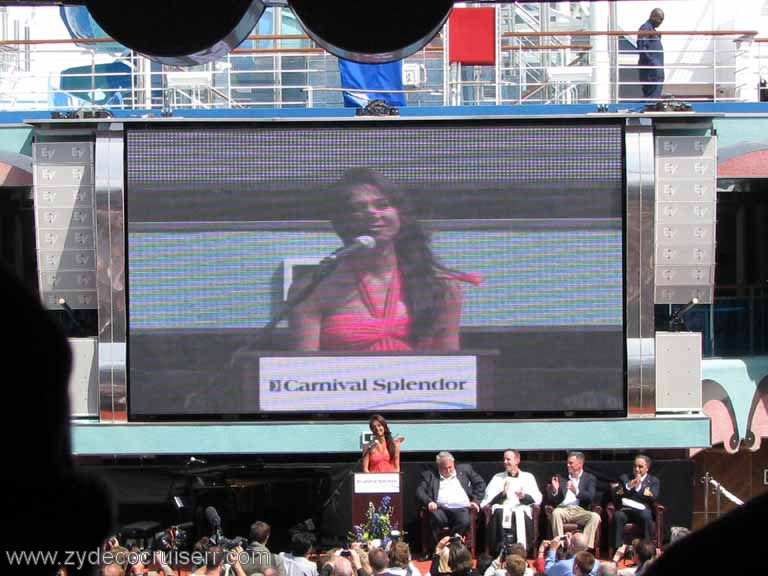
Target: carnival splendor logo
[(367, 385)]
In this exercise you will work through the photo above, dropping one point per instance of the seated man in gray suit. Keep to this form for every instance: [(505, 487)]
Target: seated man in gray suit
[(449, 495)]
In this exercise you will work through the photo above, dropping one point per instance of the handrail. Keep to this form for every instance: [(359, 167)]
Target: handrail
[(536, 89), (549, 47), (530, 78), (708, 481), (634, 33), (277, 50), (107, 39)]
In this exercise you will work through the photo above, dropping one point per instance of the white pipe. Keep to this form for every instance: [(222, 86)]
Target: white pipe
[(717, 486), (600, 61)]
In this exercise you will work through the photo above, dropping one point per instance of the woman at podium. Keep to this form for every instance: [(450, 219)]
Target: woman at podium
[(383, 453), (387, 291)]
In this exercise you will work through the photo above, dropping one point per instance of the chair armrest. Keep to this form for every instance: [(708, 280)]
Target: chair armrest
[(610, 511), (548, 511)]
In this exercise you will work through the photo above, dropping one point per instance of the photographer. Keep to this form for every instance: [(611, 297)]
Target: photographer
[(498, 566), (141, 568), (452, 558), (576, 544), (644, 553), (259, 558), (345, 562)]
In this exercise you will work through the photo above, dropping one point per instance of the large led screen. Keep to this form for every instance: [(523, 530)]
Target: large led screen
[(409, 267)]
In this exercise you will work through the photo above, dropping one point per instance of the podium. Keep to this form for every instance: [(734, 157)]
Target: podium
[(372, 489)]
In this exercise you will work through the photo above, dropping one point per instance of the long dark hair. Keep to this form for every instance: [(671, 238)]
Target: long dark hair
[(387, 434), (425, 291)]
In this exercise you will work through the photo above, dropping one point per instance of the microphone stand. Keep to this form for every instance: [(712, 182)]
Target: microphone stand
[(324, 269), (347, 473), (676, 322)]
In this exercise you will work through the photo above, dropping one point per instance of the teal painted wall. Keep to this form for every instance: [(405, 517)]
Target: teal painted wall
[(17, 139), (345, 437)]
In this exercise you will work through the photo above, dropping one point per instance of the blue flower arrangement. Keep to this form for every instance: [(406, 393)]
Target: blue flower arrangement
[(377, 524)]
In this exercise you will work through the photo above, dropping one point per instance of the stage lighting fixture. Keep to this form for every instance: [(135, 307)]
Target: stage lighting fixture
[(178, 32), (371, 31)]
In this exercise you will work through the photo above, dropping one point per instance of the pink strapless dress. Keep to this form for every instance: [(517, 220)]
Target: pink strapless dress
[(382, 327), (379, 461)]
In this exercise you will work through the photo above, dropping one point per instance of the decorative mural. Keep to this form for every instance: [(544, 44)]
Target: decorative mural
[(742, 147), (15, 156), (735, 390)]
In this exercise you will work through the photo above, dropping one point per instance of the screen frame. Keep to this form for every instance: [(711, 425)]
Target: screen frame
[(474, 415)]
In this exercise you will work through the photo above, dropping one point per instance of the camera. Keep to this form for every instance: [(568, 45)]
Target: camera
[(394, 535), (506, 548), (346, 553), (456, 538), (230, 543), (172, 538)]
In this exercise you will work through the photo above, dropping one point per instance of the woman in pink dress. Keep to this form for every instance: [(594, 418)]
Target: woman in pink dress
[(385, 454), (394, 296)]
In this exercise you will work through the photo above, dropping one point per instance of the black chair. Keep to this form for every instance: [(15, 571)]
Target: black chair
[(534, 538), (470, 538), (632, 530)]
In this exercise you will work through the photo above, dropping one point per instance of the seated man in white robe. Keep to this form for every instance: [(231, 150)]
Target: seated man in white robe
[(510, 494)]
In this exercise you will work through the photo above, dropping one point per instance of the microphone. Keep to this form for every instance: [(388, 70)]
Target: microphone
[(676, 321), (213, 517), (193, 460), (358, 244), (71, 314), (371, 445)]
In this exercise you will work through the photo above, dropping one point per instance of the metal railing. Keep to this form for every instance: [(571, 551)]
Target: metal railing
[(533, 67), (718, 490)]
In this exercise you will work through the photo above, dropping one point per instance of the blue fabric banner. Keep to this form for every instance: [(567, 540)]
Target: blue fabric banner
[(370, 82)]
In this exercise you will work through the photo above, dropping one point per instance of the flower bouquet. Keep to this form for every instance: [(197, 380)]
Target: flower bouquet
[(377, 525)]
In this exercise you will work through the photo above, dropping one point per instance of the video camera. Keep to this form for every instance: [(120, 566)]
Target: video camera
[(227, 543), (217, 538), (509, 540), (172, 538)]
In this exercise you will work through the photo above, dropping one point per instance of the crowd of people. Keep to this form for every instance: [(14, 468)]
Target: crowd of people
[(557, 557)]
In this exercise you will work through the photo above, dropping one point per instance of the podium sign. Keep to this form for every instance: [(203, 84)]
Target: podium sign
[(372, 489), (388, 483)]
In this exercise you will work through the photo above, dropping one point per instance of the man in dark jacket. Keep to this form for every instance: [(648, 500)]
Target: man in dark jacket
[(572, 498), (634, 497), (651, 60), (449, 495)]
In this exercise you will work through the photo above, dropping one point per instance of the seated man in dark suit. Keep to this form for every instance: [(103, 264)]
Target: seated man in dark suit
[(449, 495), (634, 498), (572, 498)]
